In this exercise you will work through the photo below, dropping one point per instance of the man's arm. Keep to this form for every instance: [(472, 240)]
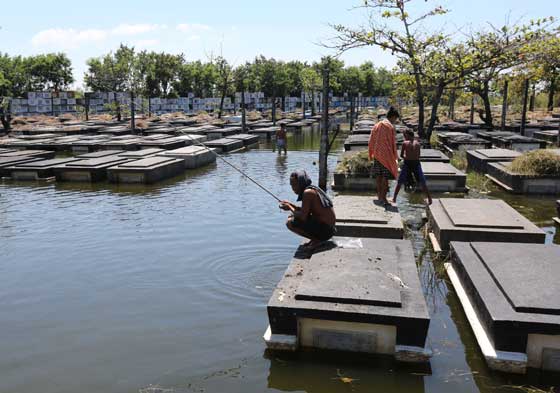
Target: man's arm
[(303, 213), (402, 150)]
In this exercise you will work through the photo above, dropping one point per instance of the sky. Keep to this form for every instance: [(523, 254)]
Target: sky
[(238, 30)]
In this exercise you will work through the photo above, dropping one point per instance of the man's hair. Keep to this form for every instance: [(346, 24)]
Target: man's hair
[(408, 133), (393, 113)]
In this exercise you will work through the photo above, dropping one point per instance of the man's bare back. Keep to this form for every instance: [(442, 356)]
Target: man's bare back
[(410, 150), (311, 204)]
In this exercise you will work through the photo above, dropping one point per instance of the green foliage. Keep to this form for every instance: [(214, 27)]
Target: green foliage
[(537, 163)]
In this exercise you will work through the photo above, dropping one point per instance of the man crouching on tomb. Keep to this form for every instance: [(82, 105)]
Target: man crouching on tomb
[(315, 219)]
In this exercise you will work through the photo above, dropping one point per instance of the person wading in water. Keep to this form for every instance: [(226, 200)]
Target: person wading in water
[(315, 219), (382, 148), (282, 140)]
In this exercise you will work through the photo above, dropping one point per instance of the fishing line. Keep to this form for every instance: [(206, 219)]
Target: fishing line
[(230, 164)]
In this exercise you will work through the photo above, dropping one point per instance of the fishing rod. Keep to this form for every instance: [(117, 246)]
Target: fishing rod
[(230, 164)]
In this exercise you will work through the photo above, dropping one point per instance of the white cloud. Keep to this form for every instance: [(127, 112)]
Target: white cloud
[(193, 38), (71, 38), (68, 38), (192, 27), (126, 29)]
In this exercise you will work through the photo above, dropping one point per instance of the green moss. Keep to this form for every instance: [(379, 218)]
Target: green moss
[(537, 163)]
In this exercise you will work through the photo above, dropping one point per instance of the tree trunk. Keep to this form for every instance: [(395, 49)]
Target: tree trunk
[(504, 105), (274, 110), (524, 111), (435, 104), (149, 106), (313, 108), (283, 103), (532, 100), (86, 105), (550, 105), (420, 102), (351, 112), (243, 118), (132, 113), (558, 136), (471, 120), (452, 105), (119, 115), (485, 95), (6, 115), (303, 105), (222, 98), (323, 153)]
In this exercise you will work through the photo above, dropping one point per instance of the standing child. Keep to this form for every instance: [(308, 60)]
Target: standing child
[(282, 139), (410, 153)]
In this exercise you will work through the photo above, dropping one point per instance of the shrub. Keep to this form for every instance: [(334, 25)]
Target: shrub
[(537, 163)]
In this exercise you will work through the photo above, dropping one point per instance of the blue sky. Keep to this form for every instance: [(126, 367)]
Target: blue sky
[(240, 30)]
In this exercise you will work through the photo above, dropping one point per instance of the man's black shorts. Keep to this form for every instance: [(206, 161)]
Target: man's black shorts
[(315, 228)]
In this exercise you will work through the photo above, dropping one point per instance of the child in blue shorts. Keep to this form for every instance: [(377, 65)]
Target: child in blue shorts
[(411, 171)]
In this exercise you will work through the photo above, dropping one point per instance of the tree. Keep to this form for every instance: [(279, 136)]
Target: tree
[(409, 41), (311, 82), (52, 71), (224, 73)]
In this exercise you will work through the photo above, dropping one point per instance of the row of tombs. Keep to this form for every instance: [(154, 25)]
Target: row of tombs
[(362, 293)]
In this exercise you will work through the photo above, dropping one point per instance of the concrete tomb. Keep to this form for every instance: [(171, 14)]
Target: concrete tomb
[(139, 154), (444, 177), (519, 143), (478, 160), (168, 143), (458, 219), (98, 154), (192, 139), (547, 135), (37, 170), (121, 144), (363, 295), (6, 162), (222, 132), (501, 174), (147, 170), (45, 154), (225, 145), (466, 142), (510, 292), (193, 156), (360, 216), (248, 139), (87, 170), (356, 142), (267, 133), (433, 155)]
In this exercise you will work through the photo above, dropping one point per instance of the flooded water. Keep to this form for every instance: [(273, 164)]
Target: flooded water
[(164, 289)]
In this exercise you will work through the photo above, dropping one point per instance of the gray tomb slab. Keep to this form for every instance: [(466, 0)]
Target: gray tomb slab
[(99, 154), (444, 177), (247, 139), (193, 156), (327, 293), (462, 219), (501, 174), (141, 153), (45, 154), (433, 155), (359, 216), (353, 283), (478, 160), (89, 170), (224, 145), (6, 162), (147, 170), (514, 289), (36, 170)]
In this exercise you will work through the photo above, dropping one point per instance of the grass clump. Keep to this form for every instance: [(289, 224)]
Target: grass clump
[(459, 160), (537, 163), (434, 140), (358, 163)]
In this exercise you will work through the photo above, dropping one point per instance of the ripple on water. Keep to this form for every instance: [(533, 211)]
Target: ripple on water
[(246, 272)]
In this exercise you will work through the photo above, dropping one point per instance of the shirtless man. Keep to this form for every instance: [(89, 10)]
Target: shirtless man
[(315, 219), (410, 153), (281, 140)]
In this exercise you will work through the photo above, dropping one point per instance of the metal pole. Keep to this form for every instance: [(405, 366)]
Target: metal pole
[(325, 131)]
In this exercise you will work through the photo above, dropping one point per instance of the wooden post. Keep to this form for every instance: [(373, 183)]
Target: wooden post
[(524, 111), (303, 104), (132, 113), (313, 107), (472, 110), (504, 105), (532, 99), (86, 105), (325, 131), (274, 109)]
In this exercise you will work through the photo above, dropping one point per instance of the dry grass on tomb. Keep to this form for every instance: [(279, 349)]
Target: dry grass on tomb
[(358, 163), (537, 163)]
